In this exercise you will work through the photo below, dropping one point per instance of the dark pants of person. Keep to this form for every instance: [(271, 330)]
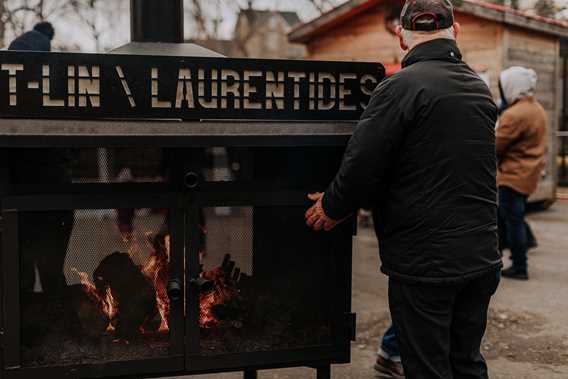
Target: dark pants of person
[(43, 244), (512, 229), (439, 328), (389, 343)]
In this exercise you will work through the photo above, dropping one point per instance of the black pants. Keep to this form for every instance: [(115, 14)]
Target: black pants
[(43, 244), (440, 328)]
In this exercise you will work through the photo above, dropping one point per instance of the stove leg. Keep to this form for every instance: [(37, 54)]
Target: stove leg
[(324, 372), (250, 374)]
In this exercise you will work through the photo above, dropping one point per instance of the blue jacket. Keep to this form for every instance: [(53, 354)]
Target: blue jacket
[(31, 41)]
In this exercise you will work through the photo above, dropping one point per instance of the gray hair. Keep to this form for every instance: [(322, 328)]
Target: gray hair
[(408, 36)]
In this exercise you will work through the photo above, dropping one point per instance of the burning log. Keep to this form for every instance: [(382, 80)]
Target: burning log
[(237, 275), (134, 294), (223, 304), (228, 265)]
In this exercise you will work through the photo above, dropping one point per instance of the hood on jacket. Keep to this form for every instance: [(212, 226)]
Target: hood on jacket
[(517, 82)]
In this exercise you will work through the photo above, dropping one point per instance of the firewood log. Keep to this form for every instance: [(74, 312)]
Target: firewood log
[(135, 296)]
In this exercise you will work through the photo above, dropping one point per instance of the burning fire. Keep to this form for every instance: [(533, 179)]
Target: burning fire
[(156, 271), (206, 304), (224, 291), (106, 301), (110, 308)]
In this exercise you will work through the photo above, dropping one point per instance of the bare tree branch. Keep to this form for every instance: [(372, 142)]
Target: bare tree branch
[(204, 17)]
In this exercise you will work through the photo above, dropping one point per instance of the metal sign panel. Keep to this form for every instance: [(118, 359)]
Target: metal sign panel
[(99, 86)]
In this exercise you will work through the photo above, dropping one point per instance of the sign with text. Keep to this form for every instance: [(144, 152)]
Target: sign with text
[(97, 86)]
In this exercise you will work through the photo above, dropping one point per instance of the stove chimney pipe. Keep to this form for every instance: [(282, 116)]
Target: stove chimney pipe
[(156, 21)]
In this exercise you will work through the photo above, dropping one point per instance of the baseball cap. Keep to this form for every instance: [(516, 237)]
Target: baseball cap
[(427, 15)]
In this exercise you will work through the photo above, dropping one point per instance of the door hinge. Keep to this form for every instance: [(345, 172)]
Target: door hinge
[(352, 326)]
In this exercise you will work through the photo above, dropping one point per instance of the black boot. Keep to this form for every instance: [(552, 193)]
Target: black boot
[(513, 273)]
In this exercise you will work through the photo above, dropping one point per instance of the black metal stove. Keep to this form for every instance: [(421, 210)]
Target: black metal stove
[(142, 237)]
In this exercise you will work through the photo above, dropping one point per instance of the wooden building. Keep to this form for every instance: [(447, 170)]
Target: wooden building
[(493, 38)]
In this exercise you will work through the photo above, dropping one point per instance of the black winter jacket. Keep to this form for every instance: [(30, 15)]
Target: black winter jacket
[(423, 158)]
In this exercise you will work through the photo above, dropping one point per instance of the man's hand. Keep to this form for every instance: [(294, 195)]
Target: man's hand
[(316, 217)]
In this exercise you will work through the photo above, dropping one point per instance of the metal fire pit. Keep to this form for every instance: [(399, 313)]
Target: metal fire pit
[(292, 301), (152, 231)]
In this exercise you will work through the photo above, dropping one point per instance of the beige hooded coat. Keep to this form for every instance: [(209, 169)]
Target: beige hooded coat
[(520, 133)]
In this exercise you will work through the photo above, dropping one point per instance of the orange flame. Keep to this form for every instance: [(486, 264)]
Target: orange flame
[(107, 302), (156, 271), (222, 293), (110, 308)]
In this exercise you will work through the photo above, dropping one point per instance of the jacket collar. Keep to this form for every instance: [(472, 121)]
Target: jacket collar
[(441, 49)]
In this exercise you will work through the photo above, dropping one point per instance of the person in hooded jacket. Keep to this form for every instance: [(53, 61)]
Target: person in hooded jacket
[(38, 39), (520, 144), (44, 236)]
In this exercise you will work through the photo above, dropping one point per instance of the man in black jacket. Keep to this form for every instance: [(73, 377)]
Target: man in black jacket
[(423, 157)]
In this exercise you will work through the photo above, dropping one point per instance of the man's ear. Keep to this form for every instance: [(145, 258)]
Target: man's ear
[(398, 32), (457, 29)]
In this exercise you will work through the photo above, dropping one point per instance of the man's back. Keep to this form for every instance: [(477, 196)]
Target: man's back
[(437, 219), (423, 155)]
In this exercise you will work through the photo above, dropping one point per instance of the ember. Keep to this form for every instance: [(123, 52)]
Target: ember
[(106, 302), (222, 302)]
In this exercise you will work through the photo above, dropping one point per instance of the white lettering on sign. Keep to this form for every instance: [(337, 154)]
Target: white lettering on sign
[(12, 81), (71, 86), (365, 89), (344, 92), (324, 105), (312, 91), (156, 102), (275, 90), (297, 78), (48, 101), (213, 103), (184, 91), (79, 85), (89, 86), (125, 86), (232, 89), (250, 89)]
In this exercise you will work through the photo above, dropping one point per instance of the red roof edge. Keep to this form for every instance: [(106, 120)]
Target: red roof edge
[(304, 32), (343, 11)]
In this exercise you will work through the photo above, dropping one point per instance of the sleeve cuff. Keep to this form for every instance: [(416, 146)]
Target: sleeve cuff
[(333, 208)]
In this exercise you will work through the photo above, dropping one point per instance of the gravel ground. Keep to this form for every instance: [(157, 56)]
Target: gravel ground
[(527, 335)]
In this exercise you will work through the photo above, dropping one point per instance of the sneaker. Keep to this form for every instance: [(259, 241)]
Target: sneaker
[(513, 273), (388, 368)]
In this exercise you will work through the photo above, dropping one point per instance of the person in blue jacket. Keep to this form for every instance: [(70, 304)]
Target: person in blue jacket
[(38, 39)]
